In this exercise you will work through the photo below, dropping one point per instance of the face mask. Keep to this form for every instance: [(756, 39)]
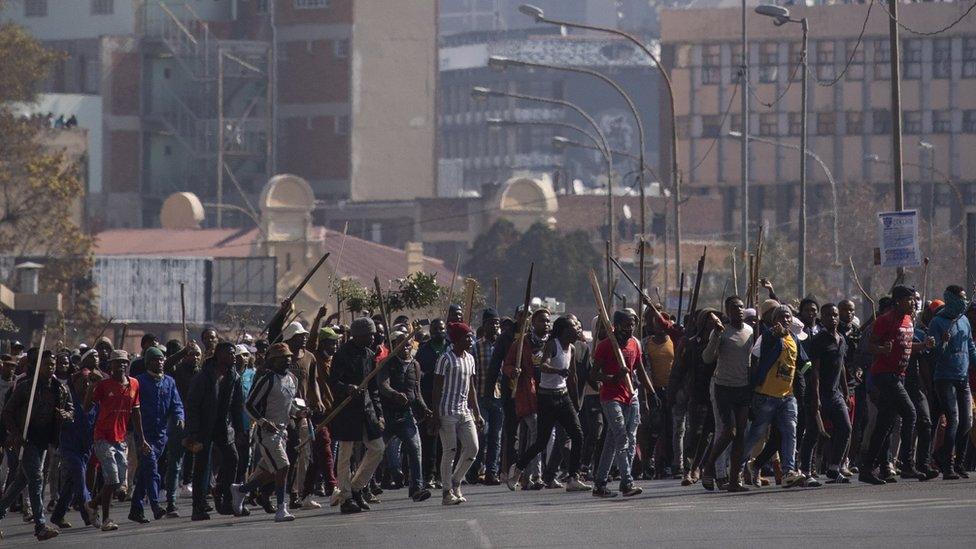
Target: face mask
[(954, 307)]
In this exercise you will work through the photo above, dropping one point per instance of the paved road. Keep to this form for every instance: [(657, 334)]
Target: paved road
[(907, 514)]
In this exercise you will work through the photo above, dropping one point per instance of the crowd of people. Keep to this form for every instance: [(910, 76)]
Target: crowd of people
[(734, 400)]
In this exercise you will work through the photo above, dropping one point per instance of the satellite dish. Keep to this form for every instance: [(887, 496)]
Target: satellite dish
[(627, 214)]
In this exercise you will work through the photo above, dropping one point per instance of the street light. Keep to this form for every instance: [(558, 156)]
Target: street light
[(502, 63), (823, 166), (560, 142), (481, 93), (781, 16), (539, 16)]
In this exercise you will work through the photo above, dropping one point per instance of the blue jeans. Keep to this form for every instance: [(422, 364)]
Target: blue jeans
[(30, 474), (73, 487), (957, 402), (621, 442), (781, 413), (147, 477), (405, 429), (490, 447)]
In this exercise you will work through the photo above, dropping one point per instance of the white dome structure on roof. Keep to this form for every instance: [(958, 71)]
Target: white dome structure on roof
[(286, 207)]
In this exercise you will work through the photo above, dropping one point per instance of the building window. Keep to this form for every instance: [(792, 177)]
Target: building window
[(35, 8), (340, 48), (311, 4), (796, 60), (912, 122), (969, 121), (969, 58), (942, 121), (682, 56), (826, 123), (342, 125), (825, 59), (735, 122), (941, 58), (684, 127), (102, 7), (882, 60), (711, 125), (711, 70), (881, 121), (855, 71), (855, 122), (768, 62), (769, 123), (796, 123), (912, 60)]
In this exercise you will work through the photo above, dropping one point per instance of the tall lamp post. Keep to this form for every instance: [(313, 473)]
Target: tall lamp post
[(481, 93), (539, 15), (560, 142), (502, 63), (781, 16)]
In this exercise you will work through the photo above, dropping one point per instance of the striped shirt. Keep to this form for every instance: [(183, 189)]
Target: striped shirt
[(272, 397), (457, 372)]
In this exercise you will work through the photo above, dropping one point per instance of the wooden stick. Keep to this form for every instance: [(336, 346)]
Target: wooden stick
[(450, 291), (601, 309), (283, 326), (751, 286), (386, 318), (640, 295), (857, 281), (33, 391), (698, 279), (681, 298), (640, 289), (925, 278), (735, 275), (104, 327), (125, 332), (366, 379), (301, 285), (183, 310), (342, 246), (523, 329), (469, 288), (495, 284)]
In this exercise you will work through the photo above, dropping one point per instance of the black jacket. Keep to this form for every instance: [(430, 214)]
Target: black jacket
[(360, 417), (400, 376), (214, 411), (51, 396)]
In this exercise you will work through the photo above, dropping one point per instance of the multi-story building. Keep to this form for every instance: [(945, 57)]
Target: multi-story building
[(849, 121), (484, 156), (215, 96)]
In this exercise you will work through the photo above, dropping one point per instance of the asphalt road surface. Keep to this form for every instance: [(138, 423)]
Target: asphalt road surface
[(907, 514)]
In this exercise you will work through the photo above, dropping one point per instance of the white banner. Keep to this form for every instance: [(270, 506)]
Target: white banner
[(898, 234)]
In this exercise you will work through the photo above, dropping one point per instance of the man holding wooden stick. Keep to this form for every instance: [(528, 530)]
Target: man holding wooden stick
[(51, 405), (361, 420)]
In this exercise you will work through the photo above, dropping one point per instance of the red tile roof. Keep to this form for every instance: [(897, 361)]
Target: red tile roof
[(361, 259)]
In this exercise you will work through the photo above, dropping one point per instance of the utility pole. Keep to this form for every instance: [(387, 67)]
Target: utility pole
[(220, 138), (801, 277), (744, 81), (896, 156)]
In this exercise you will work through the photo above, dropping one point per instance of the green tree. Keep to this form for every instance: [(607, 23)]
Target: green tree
[(562, 262), (39, 189)]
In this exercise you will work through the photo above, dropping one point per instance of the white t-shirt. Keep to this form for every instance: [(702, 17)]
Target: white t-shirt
[(559, 362)]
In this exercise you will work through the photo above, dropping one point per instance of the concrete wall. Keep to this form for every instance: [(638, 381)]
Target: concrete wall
[(394, 77)]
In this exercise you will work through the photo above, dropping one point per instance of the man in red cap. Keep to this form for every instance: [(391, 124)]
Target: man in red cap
[(456, 412)]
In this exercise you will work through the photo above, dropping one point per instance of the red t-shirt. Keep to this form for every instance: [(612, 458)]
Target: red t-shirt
[(899, 330), (611, 389), (115, 403)]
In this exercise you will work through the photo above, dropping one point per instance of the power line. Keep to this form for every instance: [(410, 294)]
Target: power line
[(850, 59), (721, 124), (926, 33), (779, 97)]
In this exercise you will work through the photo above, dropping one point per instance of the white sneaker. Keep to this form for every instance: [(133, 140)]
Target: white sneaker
[(283, 515), (186, 491), (309, 504), (458, 495), (449, 498), (574, 484), (336, 498), (793, 478), (514, 474), (237, 498)]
